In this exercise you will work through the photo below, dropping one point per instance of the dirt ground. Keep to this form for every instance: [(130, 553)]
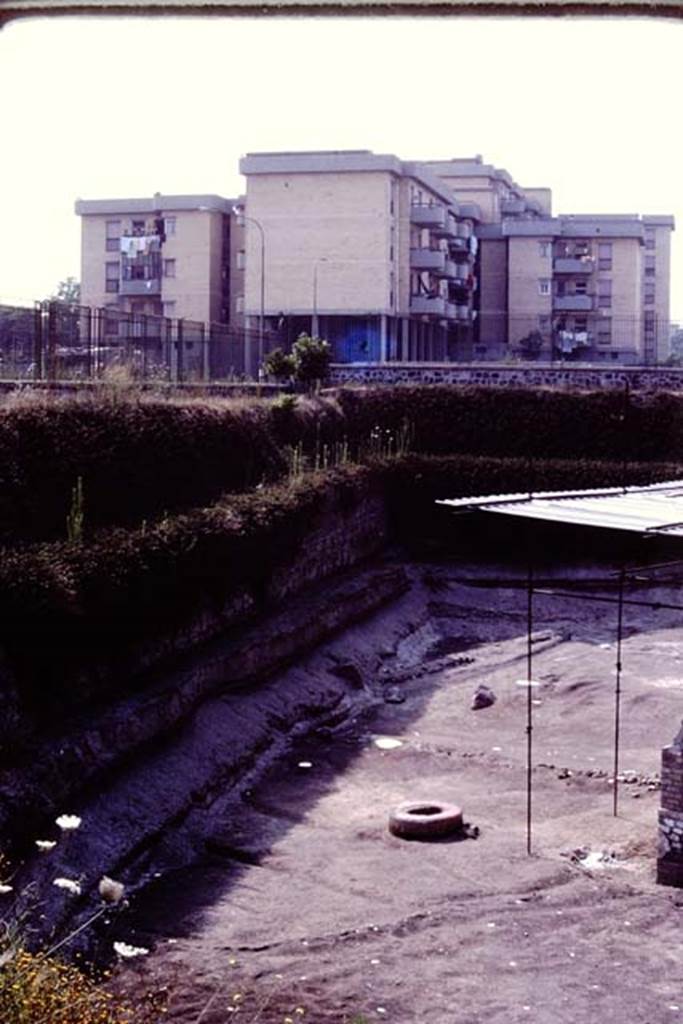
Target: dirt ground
[(293, 896)]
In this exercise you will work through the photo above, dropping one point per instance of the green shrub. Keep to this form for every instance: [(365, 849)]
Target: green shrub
[(311, 357), (278, 365)]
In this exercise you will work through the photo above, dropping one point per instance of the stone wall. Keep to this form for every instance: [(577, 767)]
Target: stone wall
[(670, 853), (505, 375)]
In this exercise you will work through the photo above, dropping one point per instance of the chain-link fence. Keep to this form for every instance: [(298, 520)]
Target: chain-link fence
[(57, 341)]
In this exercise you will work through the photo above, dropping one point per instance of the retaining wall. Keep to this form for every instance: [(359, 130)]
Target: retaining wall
[(503, 375), (670, 853)]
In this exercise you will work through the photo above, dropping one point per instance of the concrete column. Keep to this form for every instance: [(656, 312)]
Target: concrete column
[(405, 339), (383, 354), (670, 848)]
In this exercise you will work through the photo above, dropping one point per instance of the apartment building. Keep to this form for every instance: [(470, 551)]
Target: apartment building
[(369, 251), (388, 260), (580, 286), (168, 255), (493, 190), (576, 287)]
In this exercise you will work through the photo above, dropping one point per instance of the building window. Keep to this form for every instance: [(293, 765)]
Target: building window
[(544, 286), (241, 259), (605, 256), (169, 226), (391, 254), (649, 266), (649, 297), (580, 287), (137, 227), (169, 309), (111, 276), (544, 249), (649, 240), (169, 268), (605, 331), (113, 235), (239, 304), (604, 293), (544, 324)]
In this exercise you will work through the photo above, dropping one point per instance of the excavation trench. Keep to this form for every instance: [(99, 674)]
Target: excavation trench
[(283, 886)]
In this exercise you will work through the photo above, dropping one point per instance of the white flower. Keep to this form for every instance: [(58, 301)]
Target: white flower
[(5, 888), (123, 949), (110, 891), (68, 883), (68, 822), (45, 845)]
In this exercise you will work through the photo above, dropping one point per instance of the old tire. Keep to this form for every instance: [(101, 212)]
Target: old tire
[(425, 820)]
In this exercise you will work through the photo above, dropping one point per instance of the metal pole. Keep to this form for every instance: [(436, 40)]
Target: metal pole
[(314, 324), (617, 688), (252, 220), (263, 298), (529, 703)]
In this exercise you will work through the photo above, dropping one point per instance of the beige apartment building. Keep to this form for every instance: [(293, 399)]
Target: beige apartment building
[(582, 286), (388, 260), (368, 251), (171, 256)]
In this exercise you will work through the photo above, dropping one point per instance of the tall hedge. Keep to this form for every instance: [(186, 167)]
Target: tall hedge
[(522, 422), (67, 607), (136, 460), (140, 459)]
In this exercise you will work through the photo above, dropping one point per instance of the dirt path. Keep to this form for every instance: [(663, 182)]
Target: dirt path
[(298, 896)]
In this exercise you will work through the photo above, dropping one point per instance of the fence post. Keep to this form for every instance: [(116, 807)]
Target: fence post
[(38, 341), (180, 343), (206, 337), (51, 342)]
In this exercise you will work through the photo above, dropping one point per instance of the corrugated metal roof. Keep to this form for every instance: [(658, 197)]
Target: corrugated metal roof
[(657, 508)]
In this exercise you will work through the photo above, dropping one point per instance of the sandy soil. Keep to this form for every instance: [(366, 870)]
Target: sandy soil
[(294, 894)]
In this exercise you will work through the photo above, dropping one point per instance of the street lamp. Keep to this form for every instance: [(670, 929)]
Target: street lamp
[(314, 325), (239, 212)]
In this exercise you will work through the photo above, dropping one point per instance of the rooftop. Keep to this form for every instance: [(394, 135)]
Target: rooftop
[(158, 203)]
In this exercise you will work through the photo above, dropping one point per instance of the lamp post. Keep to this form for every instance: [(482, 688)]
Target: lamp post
[(239, 212), (314, 325)]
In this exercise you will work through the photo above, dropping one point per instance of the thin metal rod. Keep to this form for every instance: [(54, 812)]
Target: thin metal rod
[(617, 690), (624, 419), (654, 605), (529, 703), (652, 565)]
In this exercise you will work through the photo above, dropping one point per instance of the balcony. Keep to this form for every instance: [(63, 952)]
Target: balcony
[(449, 228), (428, 216), (459, 244), (463, 313), (574, 265), (462, 274), (573, 303), (138, 287), (512, 206), (452, 270), (428, 259), (429, 305)]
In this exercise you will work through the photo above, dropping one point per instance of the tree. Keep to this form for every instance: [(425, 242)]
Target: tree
[(530, 346), (312, 358), (278, 365), (69, 291)]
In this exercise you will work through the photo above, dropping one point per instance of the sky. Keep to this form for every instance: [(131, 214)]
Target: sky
[(102, 107)]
